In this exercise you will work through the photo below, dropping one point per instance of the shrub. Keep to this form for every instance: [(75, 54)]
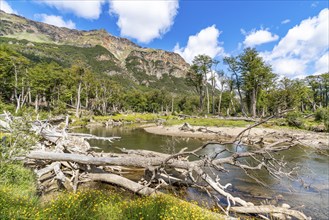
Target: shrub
[(322, 115), (16, 175), (319, 114), (295, 119), (6, 107)]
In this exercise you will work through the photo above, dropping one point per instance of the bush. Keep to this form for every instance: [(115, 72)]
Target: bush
[(6, 107), (295, 119), (18, 198), (15, 175), (59, 108), (319, 114), (322, 115)]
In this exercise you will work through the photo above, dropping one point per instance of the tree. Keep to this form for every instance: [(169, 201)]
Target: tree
[(201, 67), (255, 75), (44, 80), (233, 67), (194, 78), (319, 85), (78, 71), (215, 75), (221, 79), (13, 71)]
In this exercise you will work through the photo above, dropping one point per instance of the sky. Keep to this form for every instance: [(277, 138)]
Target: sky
[(291, 36)]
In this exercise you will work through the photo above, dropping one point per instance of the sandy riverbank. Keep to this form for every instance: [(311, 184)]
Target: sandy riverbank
[(308, 138)]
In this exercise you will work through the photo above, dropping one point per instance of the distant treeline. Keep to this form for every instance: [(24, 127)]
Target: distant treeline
[(248, 88)]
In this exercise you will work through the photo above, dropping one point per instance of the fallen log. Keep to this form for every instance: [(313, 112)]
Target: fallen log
[(80, 166), (269, 209), (123, 182)]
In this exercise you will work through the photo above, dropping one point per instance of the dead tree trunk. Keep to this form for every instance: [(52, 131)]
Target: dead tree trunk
[(76, 166)]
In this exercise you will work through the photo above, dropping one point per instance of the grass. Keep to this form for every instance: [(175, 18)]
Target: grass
[(17, 191), (172, 120), (209, 122), (133, 117), (18, 200), (39, 38), (96, 204)]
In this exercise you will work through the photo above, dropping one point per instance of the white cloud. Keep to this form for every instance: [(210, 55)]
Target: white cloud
[(259, 37), (56, 20), (144, 20), (285, 21), (305, 44), (4, 6), (84, 9), (322, 65), (204, 42), (290, 67)]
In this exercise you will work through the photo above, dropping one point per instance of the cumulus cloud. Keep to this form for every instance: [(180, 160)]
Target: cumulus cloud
[(285, 21), (4, 6), (55, 20), (290, 67), (83, 9), (204, 42), (322, 65), (258, 37), (306, 44), (144, 20)]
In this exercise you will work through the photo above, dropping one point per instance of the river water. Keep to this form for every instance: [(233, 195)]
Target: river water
[(308, 192)]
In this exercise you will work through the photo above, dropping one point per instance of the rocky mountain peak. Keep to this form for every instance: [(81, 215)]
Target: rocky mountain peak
[(150, 61)]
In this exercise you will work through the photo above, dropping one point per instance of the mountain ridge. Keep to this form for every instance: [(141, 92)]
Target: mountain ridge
[(150, 62)]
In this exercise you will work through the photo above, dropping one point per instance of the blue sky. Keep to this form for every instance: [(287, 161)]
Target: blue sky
[(292, 36)]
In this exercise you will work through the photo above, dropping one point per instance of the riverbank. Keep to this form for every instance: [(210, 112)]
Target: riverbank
[(19, 200), (307, 138)]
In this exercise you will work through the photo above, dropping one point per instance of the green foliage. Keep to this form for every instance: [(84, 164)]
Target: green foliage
[(16, 176), (90, 204), (322, 115), (18, 141), (295, 119), (17, 191), (80, 122), (6, 107)]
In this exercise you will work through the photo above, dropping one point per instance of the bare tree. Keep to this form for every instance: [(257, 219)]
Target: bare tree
[(79, 164)]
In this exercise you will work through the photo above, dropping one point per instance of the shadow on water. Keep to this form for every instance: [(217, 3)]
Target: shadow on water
[(308, 192)]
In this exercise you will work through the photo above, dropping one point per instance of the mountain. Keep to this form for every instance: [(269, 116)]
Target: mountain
[(106, 54)]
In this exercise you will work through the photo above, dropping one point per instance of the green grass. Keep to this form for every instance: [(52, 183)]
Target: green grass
[(133, 117), (96, 204), (39, 38), (18, 200), (17, 191), (209, 122)]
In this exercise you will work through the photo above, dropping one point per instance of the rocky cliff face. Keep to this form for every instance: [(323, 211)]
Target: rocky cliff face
[(156, 63), (130, 56)]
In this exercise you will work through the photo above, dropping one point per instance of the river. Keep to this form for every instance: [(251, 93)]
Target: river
[(309, 192)]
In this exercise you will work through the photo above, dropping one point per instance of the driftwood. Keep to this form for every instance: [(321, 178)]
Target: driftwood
[(71, 162), (187, 127), (159, 162)]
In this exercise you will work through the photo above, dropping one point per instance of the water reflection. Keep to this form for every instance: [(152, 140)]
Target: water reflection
[(308, 193)]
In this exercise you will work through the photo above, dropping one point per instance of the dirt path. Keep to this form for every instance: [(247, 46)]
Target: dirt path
[(308, 138)]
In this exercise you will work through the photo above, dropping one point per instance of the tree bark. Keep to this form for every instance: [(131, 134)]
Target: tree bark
[(78, 101), (220, 101), (36, 106), (253, 103)]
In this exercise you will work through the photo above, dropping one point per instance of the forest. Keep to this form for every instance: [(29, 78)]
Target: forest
[(243, 87), (247, 87)]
